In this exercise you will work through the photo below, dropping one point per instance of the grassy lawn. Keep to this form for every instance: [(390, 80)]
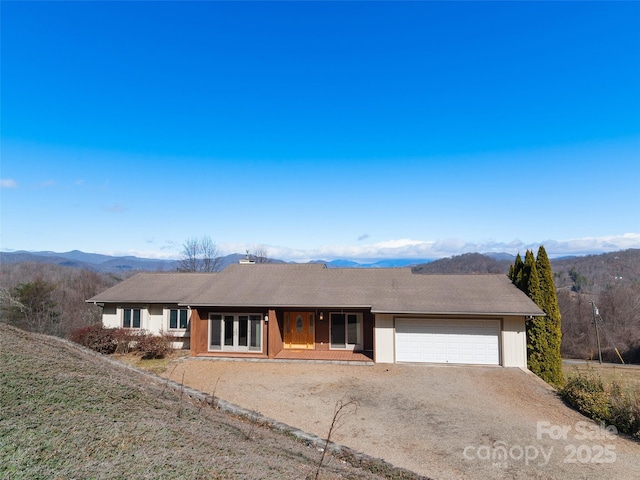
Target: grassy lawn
[(627, 376), (67, 414), (154, 365)]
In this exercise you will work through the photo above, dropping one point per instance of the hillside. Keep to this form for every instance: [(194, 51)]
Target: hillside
[(596, 273), (69, 414), (474, 263), (590, 273)]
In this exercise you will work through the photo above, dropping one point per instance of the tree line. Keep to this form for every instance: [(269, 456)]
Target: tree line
[(50, 299)]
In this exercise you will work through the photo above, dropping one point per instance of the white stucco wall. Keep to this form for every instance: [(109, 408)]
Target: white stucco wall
[(110, 317), (384, 339), (514, 342), (153, 318)]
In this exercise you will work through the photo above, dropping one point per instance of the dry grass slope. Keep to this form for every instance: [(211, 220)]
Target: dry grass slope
[(67, 414)]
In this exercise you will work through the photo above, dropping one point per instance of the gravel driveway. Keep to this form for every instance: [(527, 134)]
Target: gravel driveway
[(445, 422)]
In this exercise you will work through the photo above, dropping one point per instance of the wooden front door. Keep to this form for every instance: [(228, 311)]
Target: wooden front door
[(299, 330)]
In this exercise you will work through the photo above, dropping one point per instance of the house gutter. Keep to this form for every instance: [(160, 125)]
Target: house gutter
[(468, 313)]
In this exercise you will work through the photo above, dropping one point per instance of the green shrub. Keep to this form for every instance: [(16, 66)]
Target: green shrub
[(625, 411), (96, 337), (609, 404), (586, 392)]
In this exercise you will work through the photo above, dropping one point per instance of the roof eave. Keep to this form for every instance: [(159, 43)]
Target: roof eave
[(271, 305), (474, 313)]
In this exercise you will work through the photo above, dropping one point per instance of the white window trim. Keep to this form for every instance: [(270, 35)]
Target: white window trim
[(167, 321), (234, 348), (142, 317)]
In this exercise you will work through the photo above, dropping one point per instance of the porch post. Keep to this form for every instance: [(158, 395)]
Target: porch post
[(274, 340)]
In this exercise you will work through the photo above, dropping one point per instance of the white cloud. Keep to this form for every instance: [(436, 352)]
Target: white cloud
[(406, 248), (589, 245), (153, 254), (8, 183), (421, 249)]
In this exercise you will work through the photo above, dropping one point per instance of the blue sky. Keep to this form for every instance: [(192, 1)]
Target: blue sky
[(327, 130)]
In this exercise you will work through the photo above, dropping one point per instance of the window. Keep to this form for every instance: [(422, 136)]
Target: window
[(178, 318), (235, 332), (131, 318), (346, 330)]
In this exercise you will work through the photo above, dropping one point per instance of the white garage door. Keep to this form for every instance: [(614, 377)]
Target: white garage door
[(448, 341)]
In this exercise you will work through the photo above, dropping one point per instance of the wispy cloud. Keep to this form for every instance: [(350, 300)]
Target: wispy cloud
[(8, 183), (117, 208), (48, 183), (141, 254), (170, 245), (364, 236)]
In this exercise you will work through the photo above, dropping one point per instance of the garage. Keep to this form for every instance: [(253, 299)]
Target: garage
[(448, 341)]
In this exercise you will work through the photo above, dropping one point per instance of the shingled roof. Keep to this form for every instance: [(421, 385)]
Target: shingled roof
[(155, 288), (393, 290)]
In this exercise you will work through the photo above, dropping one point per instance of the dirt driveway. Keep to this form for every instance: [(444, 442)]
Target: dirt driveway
[(445, 422)]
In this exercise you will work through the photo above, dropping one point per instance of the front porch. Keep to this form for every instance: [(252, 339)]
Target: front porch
[(323, 355)]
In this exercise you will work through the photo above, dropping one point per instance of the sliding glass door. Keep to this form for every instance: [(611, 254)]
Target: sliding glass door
[(346, 331), (235, 332)]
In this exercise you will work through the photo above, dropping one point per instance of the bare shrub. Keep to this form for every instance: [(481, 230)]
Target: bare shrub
[(125, 337), (153, 346), (95, 337), (340, 410)]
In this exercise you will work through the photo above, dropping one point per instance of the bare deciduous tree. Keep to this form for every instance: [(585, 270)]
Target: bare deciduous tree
[(200, 255), (260, 254), (54, 311)]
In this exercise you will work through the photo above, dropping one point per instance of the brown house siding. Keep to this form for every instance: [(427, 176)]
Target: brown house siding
[(272, 332), (274, 327), (199, 333)]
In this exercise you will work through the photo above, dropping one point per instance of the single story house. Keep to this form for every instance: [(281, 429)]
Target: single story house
[(308, 311)]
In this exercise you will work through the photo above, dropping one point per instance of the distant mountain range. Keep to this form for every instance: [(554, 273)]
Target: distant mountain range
[(90, 261), (386, 263), (115, 264), (623, 266)]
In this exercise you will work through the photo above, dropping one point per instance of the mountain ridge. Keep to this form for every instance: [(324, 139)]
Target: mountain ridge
[(622, 264)]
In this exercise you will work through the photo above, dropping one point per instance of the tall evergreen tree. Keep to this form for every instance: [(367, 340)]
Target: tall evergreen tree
[(536, 328), (515, 271), (535, 278), (527, 270), (549, 305)]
